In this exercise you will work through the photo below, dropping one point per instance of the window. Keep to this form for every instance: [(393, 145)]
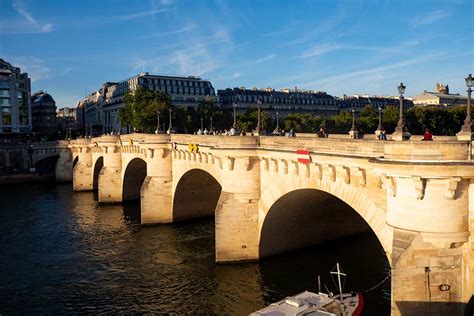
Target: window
[(6, 116), (5, 93)]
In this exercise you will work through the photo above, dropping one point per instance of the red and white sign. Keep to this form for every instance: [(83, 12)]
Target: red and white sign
[(303, 156)]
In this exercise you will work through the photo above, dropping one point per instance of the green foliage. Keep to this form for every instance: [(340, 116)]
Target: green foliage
[(342, 122), (368, 120), (390, 118), (305, 123), (140, 110)]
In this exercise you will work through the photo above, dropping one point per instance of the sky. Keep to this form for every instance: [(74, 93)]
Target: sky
[(69, 48)]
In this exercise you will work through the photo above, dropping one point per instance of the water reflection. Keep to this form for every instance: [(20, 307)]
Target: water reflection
[(61, 252)]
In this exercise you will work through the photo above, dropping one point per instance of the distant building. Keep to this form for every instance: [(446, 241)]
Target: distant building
[(66, 119), (285, 101), (99, 110), (43, 109), (358, 102), (15, 104), (441, 97)]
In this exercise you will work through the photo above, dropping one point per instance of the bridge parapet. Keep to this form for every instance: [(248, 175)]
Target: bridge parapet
[(423, 151), (368, 148), (217, 140)]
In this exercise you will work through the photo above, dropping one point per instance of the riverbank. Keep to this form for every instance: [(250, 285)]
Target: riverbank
[(27, 178)]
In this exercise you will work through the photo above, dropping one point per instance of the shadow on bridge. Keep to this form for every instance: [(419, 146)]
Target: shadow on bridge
[(97, 167), (133, 178), (196, 196)]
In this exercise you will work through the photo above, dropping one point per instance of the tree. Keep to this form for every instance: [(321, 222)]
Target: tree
[(368, 120), (140, 110), (342, 122), (390, 118)]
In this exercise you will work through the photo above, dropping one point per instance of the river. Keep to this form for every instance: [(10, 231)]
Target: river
[(63, 253)]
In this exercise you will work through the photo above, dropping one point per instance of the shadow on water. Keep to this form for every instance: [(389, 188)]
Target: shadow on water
[(131, 212), (360, 257)]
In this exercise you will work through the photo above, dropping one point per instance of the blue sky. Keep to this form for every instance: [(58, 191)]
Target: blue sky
[(341, 47)]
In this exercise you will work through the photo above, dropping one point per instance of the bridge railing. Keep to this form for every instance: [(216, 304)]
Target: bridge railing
[(369, 148), (217, 140)]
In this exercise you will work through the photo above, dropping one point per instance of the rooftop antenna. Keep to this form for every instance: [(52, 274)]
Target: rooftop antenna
[(143, 66), (199, 70)]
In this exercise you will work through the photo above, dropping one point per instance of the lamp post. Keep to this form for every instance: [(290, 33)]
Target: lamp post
[(277, 128), (399, 130), (353, 132), (353, 128), (378, 131), (202, 124), (466, 129), (258, 129), (170, 128), (379, 127), (234, 105), (158, 121), (211, 124)]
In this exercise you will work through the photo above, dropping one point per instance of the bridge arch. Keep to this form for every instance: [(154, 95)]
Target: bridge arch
[(196, 195), (46, 163), (299, 210), (133, 177), (99, 163)]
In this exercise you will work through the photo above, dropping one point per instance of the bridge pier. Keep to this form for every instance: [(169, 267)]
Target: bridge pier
[(156, 191), (430, 235), (237, 228), (110, 176), (82, 173), (64, 166)]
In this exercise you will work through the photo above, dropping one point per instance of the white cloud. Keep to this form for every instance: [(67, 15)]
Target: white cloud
[(430, 17), (236, 75), (47, 28), (28, 24), (36, 68), (266, 58), (319, 50), (142, 14), (371, 71), (20, 8), (184, 29)]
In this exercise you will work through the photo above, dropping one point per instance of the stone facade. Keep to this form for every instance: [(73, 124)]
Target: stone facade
[(414, 196)]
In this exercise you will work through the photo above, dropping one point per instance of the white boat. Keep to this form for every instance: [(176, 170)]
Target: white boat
[(317, 304)]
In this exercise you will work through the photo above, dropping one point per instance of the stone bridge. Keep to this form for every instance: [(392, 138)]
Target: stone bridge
[(274, 194), (41, 155)]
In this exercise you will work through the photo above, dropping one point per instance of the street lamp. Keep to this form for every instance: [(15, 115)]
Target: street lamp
[(380, 119), (258, 129), (170, 128), (234, 105), (157, 130), (401, 91), (211, 124), (277, 128), (353, 132), (202, 124), (399, 130), (353, 128), (466, 128)]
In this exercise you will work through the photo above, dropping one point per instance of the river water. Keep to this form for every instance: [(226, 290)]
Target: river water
[(60, 252)]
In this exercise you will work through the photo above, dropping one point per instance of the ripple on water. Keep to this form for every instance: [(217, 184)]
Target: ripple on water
[(62, 253)]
